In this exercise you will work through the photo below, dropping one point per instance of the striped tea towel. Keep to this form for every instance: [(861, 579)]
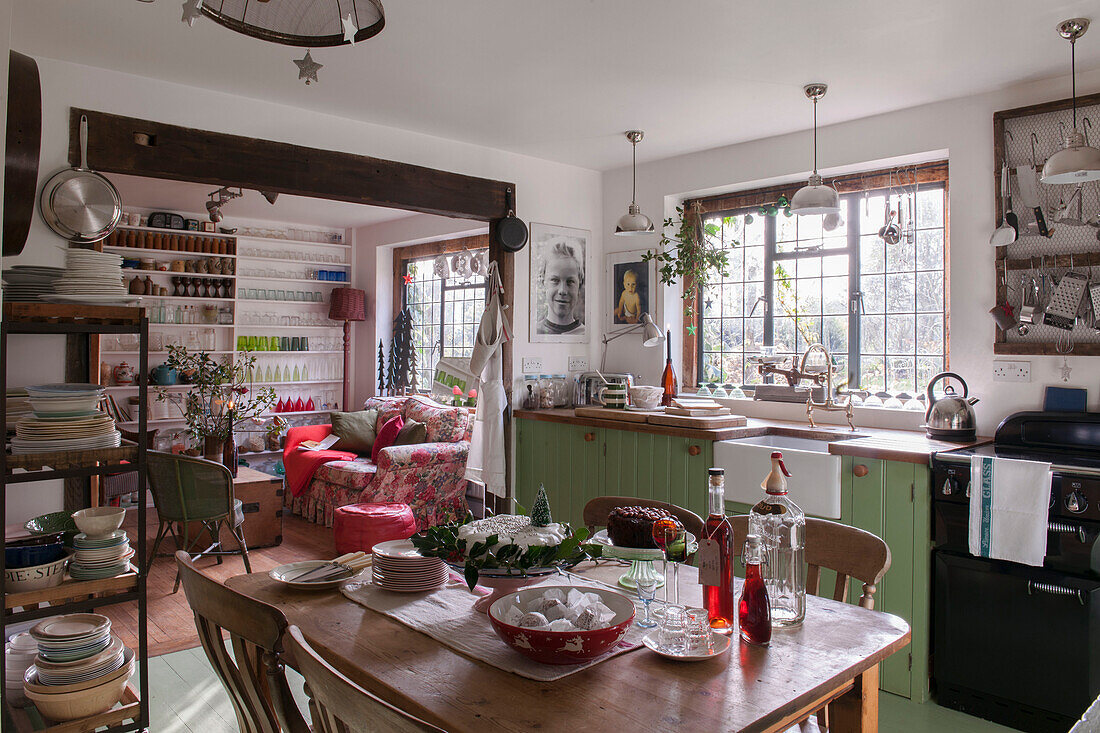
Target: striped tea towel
[(1008, 509)]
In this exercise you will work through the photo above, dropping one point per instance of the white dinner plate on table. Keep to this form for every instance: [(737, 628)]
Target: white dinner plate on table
[(284, 573), (721, 644)]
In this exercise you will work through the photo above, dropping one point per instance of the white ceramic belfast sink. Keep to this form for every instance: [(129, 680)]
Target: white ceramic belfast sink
[(815, 474)]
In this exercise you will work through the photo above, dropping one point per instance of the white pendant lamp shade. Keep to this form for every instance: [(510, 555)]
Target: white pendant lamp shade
[(1077, 162), (815, 197), (634, 222)]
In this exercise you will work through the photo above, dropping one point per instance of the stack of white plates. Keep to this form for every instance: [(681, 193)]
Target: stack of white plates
[(19, 406), (91, 277), (76, 648), (398, 566), (100, 557), (28, 282), (64, 418), (18, 656)]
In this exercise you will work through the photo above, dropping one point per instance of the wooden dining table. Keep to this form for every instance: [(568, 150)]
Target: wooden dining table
[(831, 658)]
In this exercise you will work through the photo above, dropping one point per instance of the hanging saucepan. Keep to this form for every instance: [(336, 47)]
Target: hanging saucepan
[(511, 231), (78, 203)]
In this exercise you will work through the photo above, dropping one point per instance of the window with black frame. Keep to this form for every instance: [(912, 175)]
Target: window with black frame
[(446, 311), (797, 280)]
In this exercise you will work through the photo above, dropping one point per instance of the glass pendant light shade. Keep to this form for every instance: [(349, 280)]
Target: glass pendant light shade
[(815, 197), (634, 222), (1077, 162)]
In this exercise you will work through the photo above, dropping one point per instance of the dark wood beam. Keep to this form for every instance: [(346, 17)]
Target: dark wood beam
[(136, 147)]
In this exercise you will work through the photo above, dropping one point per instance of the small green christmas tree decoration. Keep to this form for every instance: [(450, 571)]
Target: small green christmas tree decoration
[(540, 512)]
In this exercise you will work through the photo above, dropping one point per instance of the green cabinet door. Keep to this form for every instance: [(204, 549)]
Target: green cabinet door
[(565, 459)]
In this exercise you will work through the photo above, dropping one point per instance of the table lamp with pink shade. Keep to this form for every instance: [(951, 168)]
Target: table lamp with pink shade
[(347, 305)]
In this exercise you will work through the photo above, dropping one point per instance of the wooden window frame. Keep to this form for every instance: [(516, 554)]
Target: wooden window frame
[(935, 172)]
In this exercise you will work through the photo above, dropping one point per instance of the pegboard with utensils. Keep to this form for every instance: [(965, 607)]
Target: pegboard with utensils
[(1052, 268)]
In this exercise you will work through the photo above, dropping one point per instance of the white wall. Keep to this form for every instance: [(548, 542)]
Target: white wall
[(546, 192), (963, 128)]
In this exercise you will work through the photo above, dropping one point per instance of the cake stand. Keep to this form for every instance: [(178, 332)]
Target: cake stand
[(641, 559), (503, 581)]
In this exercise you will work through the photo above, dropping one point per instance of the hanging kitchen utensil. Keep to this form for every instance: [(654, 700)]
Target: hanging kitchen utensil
[(1004, 315), (1010, 216), (1029, 194), (1029, 298), (911, 235), (511, 231), (892, 235), (1005, 234), (78, 203), (24, 136), (1066, 301)]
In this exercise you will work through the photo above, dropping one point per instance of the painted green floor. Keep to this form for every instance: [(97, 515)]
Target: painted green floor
[(187, 698)]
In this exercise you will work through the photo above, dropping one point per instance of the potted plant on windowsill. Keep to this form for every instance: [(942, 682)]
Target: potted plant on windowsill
[(222, 397)]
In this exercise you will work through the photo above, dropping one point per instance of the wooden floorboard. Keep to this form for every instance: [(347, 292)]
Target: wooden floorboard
[(171, 625)]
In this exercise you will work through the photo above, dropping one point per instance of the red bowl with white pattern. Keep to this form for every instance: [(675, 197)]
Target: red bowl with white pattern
[(562, 647)]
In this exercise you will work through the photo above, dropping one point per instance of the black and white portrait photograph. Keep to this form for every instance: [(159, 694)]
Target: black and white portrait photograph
[(630, 288), (559, 270)]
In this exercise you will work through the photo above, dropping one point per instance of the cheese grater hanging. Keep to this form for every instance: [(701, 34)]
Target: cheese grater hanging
[(1062, 310)]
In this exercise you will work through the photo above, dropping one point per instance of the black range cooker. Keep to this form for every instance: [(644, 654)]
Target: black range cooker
[(1017, 644)]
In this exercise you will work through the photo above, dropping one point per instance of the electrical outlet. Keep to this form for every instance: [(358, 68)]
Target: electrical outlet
[(1012, 371), (578, 364), (532, 364)]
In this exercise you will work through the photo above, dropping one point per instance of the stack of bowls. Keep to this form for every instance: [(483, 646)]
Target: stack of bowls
[(18, 657), (81, 668), (101, 557)]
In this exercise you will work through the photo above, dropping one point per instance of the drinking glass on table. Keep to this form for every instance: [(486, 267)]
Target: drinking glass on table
[(647, 591), (697, 631), (671, 633), (670, 537)]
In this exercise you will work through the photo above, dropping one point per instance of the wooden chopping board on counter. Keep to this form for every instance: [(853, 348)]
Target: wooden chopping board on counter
[(607, 413), (715, 422)]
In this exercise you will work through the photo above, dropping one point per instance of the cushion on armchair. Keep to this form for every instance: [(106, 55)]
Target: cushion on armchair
[(444, 424), (387, 435), (356, 430), (387, 408)]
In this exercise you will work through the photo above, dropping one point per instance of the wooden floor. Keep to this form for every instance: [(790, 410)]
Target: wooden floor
[(171, 625)]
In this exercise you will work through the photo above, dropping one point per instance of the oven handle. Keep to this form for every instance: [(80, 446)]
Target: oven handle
[(1066, 528), (1055, 590)]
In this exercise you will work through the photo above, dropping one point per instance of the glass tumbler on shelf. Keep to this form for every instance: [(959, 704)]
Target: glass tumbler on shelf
[(671, 538)]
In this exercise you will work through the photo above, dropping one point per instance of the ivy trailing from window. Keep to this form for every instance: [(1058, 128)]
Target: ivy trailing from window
[(693, 255)]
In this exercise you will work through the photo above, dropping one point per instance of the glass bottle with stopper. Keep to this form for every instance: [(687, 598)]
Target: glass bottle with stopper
[(781, 526), (753, 610), (716, 557)]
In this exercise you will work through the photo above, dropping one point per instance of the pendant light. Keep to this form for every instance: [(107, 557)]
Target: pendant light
[(815, 197), (1077, 161), (634, 222)]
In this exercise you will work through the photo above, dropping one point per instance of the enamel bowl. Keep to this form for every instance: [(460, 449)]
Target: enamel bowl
[(99, 521), (562, 647)]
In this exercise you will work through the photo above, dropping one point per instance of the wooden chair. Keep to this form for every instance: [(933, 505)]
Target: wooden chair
[(337, 704), (253, 674), (596, 511), (849, 551), (193, 492)]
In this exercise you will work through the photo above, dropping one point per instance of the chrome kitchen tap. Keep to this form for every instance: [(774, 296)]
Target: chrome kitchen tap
[(829, 405)]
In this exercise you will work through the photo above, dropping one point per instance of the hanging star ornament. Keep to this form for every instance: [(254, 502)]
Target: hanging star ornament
[(350, 29), (1066, 369), (307, 68), (408, 279), (192, 11), (691, 330)]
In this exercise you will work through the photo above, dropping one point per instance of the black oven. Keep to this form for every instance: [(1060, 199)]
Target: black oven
[(1016, 644)]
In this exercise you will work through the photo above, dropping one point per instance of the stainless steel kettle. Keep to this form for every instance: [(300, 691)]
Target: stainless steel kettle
[(951, 417)]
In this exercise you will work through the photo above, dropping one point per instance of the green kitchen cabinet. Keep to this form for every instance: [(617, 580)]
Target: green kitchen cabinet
[(578, 463), (891, 500)]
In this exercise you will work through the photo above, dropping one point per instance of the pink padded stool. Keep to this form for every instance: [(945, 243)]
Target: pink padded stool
[(362, 526)]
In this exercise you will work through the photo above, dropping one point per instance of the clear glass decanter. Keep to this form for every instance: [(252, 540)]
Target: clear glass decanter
[(781, 526)]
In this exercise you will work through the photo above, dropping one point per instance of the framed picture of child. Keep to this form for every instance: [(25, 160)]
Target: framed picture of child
[(559, 272), (630, 288)]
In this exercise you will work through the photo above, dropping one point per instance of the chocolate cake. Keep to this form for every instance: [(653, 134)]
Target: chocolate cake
[(632, 526)]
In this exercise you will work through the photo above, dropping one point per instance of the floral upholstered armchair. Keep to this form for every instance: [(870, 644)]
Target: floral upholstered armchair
[(429, 477)]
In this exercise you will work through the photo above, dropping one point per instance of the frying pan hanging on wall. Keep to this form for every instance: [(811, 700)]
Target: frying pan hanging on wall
[(24, 136), (78, 203), (511, 231)]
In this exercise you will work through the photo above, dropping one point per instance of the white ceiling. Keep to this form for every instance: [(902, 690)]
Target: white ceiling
[(562, 79), (176, 196)]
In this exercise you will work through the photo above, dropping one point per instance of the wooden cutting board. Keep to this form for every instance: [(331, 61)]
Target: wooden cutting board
[(687, 412), (607, 413), (699, 423)]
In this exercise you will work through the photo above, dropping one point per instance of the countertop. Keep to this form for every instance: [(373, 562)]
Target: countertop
[(873, 443)]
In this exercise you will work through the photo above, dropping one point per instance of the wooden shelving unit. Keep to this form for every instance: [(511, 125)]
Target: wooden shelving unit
[(78, 596)]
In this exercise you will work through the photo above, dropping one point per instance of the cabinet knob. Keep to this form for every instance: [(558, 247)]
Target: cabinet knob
[(860, 470), (589, 437), (694, 450)]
